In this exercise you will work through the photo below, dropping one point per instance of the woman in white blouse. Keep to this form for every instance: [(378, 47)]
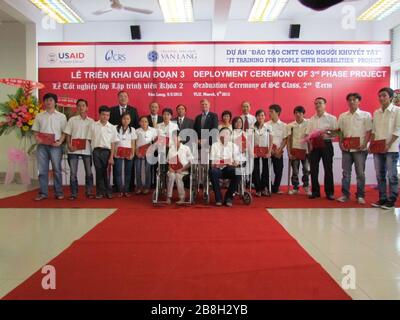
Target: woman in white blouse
[(124, 154), (145, 137), (262, 148)]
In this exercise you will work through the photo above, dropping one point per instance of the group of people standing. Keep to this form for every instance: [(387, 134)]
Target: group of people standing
[(118, 144)]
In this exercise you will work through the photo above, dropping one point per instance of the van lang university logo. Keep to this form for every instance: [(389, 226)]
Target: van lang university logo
[(173, 56), (113, 56), (152, 56), (66, 57)]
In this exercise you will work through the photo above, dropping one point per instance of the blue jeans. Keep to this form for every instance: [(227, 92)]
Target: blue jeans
[(386, 165), (118, 163), (46, 154), (73, 160), (139, 163), (358, 158)]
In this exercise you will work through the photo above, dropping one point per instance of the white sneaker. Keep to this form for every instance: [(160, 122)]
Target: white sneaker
[(180, 202), (293, 192), (307, 190), (343, 199), (361, 200)]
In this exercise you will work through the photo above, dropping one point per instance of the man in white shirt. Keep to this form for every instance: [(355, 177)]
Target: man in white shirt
[(103, 136), (79, 147), (322, 121), (356, 126), (386, 126), (48, 127), (248, 119), (225, 158), (296, 134), (279, 140)]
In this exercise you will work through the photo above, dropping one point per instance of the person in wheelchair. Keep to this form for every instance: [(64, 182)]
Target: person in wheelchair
[(180, 158), (225, 160)]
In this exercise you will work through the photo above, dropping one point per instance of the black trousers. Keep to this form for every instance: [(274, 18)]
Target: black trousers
[(260, 176), (326, 154), (226, 173), (277, 165), (100, 160)]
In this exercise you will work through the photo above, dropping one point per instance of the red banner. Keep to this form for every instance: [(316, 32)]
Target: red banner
[(287, 73)]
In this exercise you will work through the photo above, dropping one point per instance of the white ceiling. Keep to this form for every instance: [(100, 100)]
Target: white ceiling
[(204, 10)]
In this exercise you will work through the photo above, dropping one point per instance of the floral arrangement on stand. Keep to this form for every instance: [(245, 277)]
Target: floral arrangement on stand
[(396, 98), (17, 115)]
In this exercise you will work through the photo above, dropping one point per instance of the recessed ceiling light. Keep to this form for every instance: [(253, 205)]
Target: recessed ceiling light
[(58, 10), (177, 11), (379, 10), (266, 10)]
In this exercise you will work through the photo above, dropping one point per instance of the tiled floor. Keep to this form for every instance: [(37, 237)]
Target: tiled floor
[(30, 238), (368, 239)]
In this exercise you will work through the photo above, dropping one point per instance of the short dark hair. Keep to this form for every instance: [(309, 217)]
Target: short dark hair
[(104, 109), (181, 105), (276, 107), (143, 117), (259, 111), (50, 96), (321, 98), (82, 100), (225, 128), (168, 110), (388, 90), (122, 91), (354, 95), (299, 109), (236, 120), (226, 112)]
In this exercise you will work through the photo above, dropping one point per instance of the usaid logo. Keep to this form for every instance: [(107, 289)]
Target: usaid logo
[(152, 56), (114, 57), (66, 57), (52, 57)]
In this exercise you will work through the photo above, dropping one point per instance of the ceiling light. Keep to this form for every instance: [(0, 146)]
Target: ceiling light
[(380, 9), (177, 11), (58, 10), (266, 10)]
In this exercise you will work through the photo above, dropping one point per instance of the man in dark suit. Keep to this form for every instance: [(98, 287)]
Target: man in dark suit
[(123, 107), (182, 121), (115, 119), (207, 120), (154, 118)]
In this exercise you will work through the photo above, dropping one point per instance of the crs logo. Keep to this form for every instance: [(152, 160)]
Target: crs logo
[(112, 56), (152, 56)]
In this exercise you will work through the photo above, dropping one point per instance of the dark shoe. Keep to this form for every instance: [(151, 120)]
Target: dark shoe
[(120, 195), (72, 198), (90, 196), (379, 203), (127, 195), (330, 197), (40, 197), (109, 196), (99, 196), (59, 197), (389, 205), (314, 196)]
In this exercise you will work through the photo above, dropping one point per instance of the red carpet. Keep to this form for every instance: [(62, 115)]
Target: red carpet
[(185, 254), (26, 200)]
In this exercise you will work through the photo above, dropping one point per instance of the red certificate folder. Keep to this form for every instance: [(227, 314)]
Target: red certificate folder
[(142, 150), (377, 146), (318, 142), (176, 164), (260, 152), (79, 144), (351, 143), (124, 152), (241, 142), (46, 138), (299, 154)]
